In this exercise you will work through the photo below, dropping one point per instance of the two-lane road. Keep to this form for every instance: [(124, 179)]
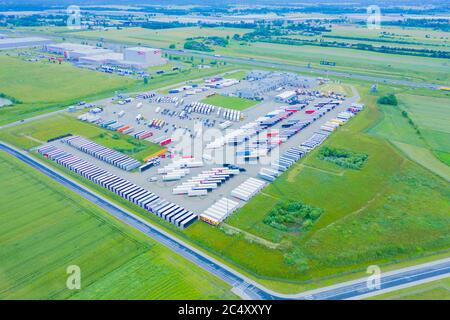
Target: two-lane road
[(247, 287)]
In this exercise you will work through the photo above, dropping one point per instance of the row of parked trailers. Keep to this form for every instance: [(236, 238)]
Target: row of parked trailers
[(146, 95), (199, 107), (108, 155), (219, 211), (167, 99), (113, 125), (249, 188), (231, 115), (295, 153), (204, 108), (206, 181), (145, 199)]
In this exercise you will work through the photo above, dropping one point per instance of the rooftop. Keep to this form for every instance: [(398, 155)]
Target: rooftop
[(22, 40)]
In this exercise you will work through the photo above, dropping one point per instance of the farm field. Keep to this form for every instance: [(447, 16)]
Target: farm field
[(161, 38), (44, 86), (394, 34), (229, 102), (435, 290), (430, 114), (44, 229), (32, 134), (348, 60)]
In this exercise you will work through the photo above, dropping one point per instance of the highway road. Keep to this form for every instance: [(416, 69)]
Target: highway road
[(305, 69), (244, 286)]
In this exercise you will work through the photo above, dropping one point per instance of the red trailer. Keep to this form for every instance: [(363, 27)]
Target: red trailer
[(164, 142)]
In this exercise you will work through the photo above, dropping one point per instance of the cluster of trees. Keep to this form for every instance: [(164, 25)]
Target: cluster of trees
[(343, 158), (32, 20), (196, 45), (346, 45), (390, 99), (436, 24), (10, 98), (292, 215), (165, 25), (217, 41), (411, 122)]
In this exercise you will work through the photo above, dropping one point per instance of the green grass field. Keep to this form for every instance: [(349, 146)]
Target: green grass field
[(430, 114), (435, 290), (161, 38), (394, 34), (34, 133), (234, 103), (44, 86), (44, 229), (390, 36)]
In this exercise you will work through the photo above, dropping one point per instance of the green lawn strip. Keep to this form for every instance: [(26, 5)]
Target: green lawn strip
[(228, 102), (61, 124)]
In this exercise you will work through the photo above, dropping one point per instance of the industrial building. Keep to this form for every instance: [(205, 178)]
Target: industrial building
[(26, 42), (97, 60), (286, 96), (85, 55), (146, 57), (75, 51)]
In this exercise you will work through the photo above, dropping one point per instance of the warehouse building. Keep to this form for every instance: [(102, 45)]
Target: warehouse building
[(146, 57), (97, 60), (27, 42), (75, 51), (85, 55), (286, 96)]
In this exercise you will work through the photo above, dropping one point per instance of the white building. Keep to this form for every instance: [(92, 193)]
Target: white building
[(135, 58), (285, 96), (100, 59), (146, 57), (74, 51)]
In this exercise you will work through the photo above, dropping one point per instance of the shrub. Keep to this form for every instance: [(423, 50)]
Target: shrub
[(195, 45), (389, 100), (292, 216), (343, 158)]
